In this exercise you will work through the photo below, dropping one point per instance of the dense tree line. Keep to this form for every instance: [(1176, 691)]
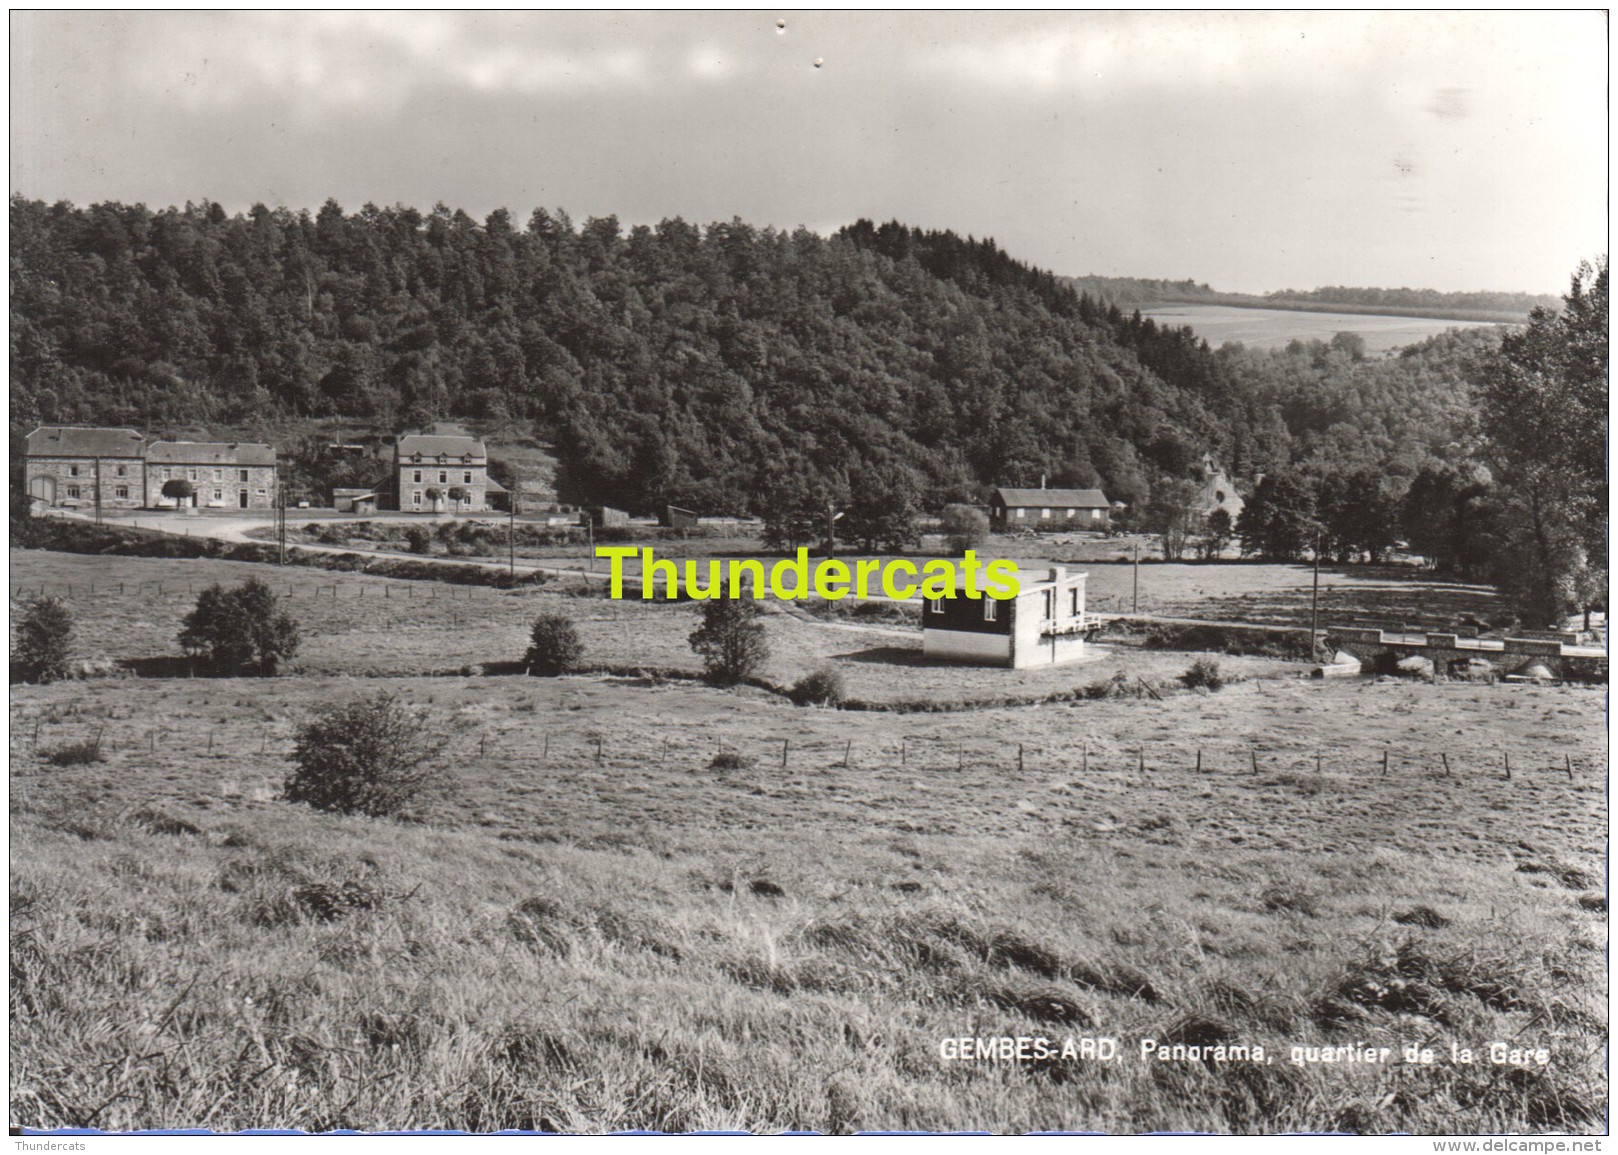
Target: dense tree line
[(727, 368)]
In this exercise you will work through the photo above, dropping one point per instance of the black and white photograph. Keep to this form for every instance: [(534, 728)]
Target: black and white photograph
[(837, 572)]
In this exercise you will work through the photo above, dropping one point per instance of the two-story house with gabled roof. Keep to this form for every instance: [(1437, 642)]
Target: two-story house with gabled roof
[(68, 466), (223, 475), (444, 465)]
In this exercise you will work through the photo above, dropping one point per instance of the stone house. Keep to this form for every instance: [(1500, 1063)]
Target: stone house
[(223, 475), (423, 461), (68, 465)]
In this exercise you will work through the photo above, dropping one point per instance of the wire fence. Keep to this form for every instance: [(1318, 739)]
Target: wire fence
[(564, 749)]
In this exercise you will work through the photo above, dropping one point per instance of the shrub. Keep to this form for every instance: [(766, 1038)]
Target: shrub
[(76, 753), (367, 757), (179, 489), (419, 540), (730, 760), (553, 646), (820, 688), (730, 640), (43, 635), (238, 626), (1202, 672), (966, 527)]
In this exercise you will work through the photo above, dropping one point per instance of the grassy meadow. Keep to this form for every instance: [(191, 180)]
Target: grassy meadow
[(586, 927)]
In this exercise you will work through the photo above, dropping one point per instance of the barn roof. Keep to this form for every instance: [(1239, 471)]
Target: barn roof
[(209, 453), (83, 441), (1054, 498), (432, 445)]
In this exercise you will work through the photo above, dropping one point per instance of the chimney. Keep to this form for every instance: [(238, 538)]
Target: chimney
[(1042, 481)]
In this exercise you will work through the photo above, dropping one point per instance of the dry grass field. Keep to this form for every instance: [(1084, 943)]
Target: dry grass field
[(587, 928)]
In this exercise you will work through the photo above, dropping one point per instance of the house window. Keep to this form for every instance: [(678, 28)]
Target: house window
[(1044, 513), (261, 492), (991, 610), (123, 473), (937, 605), (1095, 515), (415, 496), (72, 491), (417, 478), (219, 494), (1219, 496), (121, 491), (1020, 512), (468, 477), (443, 476), (73, 471), (241, 475), (218, 475), (191, 474), (1075, 601), (1072, 512)]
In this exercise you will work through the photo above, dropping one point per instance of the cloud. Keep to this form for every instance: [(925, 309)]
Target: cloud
[(313, 64)]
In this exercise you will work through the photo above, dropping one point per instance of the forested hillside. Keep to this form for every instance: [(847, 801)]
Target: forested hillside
[(720, 368)]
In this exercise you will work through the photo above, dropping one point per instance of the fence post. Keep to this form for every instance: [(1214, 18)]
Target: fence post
[(1568, 759), (904, 751), (1317, 763), (546, 752), (847, 746), (1143, 758), (1385, 764), (1442, 754), (1019, 757), (960, 756), (784, 744), (1087, 757), (1199, 759), (1253, 754), (1508, 765)]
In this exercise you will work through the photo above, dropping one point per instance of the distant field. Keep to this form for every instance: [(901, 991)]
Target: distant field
[(356, 624), (1274, 328)]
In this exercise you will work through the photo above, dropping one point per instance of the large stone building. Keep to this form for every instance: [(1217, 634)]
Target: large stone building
[(223, 475), (1044, 625), (443, 464), (66, 465)]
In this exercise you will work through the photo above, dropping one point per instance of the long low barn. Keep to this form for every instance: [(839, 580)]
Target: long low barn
[(1049, 509)]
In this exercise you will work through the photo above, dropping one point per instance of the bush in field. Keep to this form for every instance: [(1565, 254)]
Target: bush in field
[(820, 688), (730, 640), (966, 527), (730, 760), (1202, 672), (81, 753), (368, 757), (43, 635), (553, 645), (419, 540), (240, 626)]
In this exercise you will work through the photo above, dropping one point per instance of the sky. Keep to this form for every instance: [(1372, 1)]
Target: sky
[(1252, 151)]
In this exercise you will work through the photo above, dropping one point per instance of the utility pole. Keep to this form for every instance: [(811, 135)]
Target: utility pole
[(511, 529), (281, 521), (1314, 603), (98, 491), (1136, 606)]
